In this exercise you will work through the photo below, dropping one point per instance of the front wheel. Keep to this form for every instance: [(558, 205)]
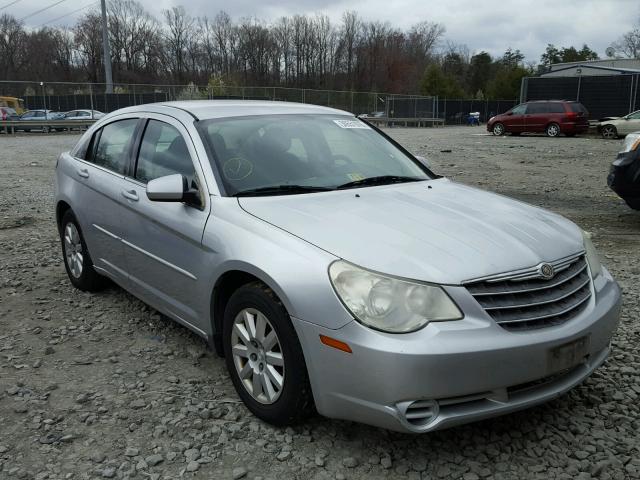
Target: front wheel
[(552, 130), (498, 129), (264, 356), (609, 132)]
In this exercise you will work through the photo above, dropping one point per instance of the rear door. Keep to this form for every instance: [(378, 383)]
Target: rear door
[(100, 205), (515, 119), (536, 116), (163, 240)]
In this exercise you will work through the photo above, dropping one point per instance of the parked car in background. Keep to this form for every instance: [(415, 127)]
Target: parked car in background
[(8, 113), (379, 114), (12, 102), (39, 116), (552, 117), (83, 115), (614, 127), (624, 176), (330, 266)]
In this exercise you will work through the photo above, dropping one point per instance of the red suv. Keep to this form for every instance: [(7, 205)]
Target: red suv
[(552, 117)]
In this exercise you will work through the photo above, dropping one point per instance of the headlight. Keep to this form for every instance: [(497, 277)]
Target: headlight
[(631, 142), (390, 304), (592, 256)]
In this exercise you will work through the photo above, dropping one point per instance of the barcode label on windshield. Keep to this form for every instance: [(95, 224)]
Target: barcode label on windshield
[(351, 124)]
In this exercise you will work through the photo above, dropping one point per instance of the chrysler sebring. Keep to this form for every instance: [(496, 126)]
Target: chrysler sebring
[(333, 270)]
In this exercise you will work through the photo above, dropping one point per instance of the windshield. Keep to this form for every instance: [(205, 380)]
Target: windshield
[(322, 152)]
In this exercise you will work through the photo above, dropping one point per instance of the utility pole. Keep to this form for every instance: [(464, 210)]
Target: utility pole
[(106, 49)]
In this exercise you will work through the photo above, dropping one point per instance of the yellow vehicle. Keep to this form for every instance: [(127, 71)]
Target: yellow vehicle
[(12, 102)]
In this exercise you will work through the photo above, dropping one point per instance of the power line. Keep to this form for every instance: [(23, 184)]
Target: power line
[(42, 10), (9, 4), (68, 14)]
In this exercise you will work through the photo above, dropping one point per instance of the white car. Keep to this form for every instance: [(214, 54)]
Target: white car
[(83, 115), (614, 127)]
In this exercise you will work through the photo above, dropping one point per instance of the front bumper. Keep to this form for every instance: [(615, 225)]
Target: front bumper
[(463, 370), (624, 177)]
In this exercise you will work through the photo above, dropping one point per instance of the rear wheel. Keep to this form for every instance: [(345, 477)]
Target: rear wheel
[(552, 130), (264, 356), (498, 129), (609, 132), (77, 260)]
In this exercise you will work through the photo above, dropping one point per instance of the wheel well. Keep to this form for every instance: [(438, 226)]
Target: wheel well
[(226, 285), (61, 209)]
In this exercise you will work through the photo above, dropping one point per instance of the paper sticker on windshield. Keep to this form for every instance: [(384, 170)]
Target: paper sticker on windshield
[(355, 176), (351, 124)]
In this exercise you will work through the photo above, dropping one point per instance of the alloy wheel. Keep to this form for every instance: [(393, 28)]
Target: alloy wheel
[(553, 130), (73, 250), (609, 132), (498, 129), (257, 356)]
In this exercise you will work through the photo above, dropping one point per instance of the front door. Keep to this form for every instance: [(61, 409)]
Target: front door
[(630, 124), (514, 121), (163, 240)]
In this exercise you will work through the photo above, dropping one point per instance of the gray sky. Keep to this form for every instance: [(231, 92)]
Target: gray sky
[(491, 25)]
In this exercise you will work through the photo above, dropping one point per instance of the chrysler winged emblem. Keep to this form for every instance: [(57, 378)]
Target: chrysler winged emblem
[(546, 271)]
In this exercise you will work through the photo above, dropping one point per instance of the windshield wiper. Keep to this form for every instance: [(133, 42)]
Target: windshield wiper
[(380, 180), (280, 190)]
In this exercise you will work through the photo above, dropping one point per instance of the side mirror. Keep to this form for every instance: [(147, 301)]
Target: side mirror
[(423, 161), (172, 188), (509, 113)]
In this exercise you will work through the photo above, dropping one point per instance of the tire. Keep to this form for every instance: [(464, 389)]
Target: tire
[(77, 261), (46, 129), (552, 130), (254, 304), (633, 203), (498, 129), (609, 132)]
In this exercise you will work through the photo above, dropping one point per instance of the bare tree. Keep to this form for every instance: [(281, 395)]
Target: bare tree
[(11, 37), (88, 43), (178, 28), (629, 44)]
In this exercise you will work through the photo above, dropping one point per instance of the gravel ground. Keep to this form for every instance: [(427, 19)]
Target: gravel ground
[(101, 386)]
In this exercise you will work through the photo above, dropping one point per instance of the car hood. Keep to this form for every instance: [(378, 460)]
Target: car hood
[(436, 231)]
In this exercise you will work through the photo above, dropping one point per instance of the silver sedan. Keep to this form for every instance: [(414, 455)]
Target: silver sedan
[(331, 268)]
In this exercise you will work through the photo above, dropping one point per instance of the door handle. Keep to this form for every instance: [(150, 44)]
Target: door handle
[(83, 172), (130, 195)]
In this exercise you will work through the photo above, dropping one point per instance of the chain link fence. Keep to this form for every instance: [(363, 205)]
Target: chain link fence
[(63, 97)]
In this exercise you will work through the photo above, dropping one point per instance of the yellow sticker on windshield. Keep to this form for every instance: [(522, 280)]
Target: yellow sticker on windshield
[(355, 176)]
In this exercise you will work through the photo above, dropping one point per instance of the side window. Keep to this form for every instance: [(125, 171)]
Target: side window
[(556, 107), (634, 116), (163, 151), (519, 110), (534, 108), (112, 149)]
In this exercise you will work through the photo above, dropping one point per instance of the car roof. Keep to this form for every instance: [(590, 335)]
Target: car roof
[(210, 109)]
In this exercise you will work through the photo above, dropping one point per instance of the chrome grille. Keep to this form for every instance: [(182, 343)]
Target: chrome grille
[(522, 300)]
